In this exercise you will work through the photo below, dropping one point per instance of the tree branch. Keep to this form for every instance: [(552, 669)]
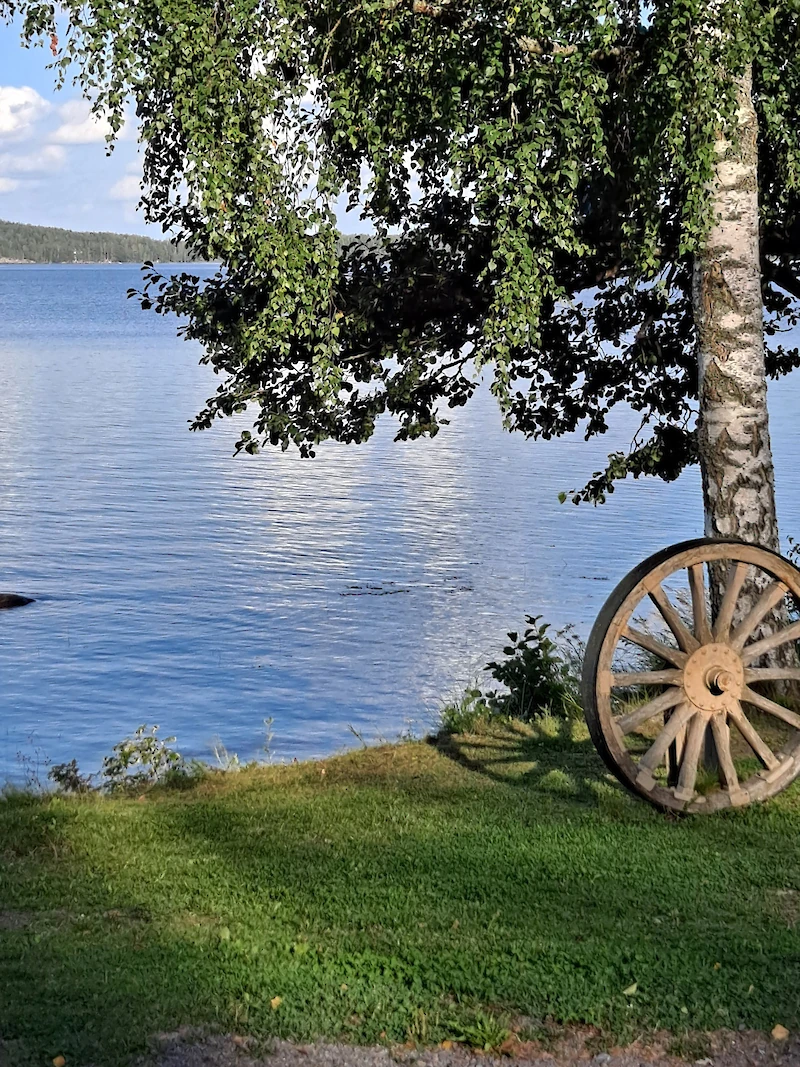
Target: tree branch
[(532, 46), (783, 276)]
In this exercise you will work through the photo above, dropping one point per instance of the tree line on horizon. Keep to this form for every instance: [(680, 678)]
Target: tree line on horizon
[(49, 244)]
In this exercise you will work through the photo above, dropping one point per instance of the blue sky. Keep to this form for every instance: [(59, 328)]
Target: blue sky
[(54, 170)]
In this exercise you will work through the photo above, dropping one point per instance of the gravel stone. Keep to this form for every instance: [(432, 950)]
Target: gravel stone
[(192, 1048)]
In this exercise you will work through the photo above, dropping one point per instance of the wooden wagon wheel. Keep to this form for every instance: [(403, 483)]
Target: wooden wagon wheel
[(675, 702)]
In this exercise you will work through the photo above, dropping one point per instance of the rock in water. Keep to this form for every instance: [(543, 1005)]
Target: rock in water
[(13, 600)]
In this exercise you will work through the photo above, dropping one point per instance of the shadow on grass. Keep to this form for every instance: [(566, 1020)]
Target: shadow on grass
[(552, 756)]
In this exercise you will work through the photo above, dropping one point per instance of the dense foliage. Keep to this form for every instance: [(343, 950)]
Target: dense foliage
[(512, 156), (49, 244)]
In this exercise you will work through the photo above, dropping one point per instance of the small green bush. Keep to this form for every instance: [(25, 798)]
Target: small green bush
[(68, 778), (141, 760), (137, 762), (540, 675)]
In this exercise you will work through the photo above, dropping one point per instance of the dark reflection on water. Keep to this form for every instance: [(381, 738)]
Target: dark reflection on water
[(176, 584)]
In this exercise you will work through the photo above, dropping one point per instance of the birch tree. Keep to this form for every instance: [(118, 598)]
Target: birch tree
[(734, 445), (592, 204)]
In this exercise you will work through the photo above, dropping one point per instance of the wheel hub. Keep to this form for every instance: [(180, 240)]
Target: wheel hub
[(713, 677)]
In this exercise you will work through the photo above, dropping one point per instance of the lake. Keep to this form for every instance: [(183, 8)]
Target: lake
[(180, 585)]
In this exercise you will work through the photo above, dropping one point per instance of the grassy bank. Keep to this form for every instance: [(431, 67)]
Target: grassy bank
[(409, 891)]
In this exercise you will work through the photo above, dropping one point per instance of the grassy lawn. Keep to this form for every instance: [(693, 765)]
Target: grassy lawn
[(406, 891)]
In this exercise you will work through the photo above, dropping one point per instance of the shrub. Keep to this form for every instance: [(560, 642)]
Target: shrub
[(540, 675), (69, 779), (142, 760)]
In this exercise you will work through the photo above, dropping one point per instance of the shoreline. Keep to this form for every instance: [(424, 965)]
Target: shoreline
[(101, 262)]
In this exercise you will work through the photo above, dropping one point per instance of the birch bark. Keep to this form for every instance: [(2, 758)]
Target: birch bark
[(735, 455)]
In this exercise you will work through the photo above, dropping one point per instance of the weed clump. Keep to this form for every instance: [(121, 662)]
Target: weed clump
[(539, 676), (145, 760), (136, 763)]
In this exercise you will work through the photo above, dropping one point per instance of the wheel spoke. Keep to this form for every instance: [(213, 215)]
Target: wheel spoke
[(772, 595), (702, 628), (722, 739), (691, 756), (658, 648), (736, 576), (672, 727), (674, 756), (772, 674), (753, 738), (771, 707), (687, 641), (668, 699), (671, 676), (766, 644)]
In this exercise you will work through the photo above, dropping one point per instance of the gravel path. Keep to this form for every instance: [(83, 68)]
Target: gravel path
[(721, 1049)]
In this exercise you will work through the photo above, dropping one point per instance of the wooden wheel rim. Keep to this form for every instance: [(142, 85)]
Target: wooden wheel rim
[(695, 668)]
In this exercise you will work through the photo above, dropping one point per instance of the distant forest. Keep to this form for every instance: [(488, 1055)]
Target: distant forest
[(47, 244)]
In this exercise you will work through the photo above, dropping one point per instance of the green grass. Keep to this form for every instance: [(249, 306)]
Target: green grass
[(409, 891)]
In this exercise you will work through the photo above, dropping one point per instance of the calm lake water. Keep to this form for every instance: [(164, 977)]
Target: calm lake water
[(178, 585)]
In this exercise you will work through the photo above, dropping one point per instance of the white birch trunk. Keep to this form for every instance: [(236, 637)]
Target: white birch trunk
[(735, 454)]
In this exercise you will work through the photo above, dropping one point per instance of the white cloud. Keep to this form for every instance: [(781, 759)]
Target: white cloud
[(8, 185), (79, 125), (43, 161), (20, 107), (127, 188)]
